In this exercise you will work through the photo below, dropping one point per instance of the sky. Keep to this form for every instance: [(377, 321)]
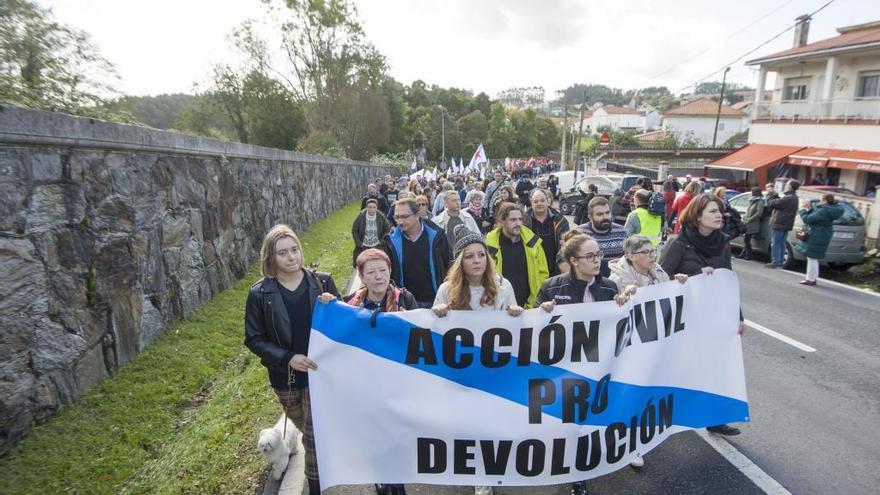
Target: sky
[(167, 46)]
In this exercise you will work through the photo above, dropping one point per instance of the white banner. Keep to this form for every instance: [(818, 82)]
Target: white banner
[(483, 398)]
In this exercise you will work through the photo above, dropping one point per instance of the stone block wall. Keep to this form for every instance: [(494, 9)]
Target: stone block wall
[(110, 233)]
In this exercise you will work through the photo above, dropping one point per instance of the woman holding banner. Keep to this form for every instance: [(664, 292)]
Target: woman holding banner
[(701, 248), (278, 321), (583, 283), (637, 268), (379, 294), (473, 284)]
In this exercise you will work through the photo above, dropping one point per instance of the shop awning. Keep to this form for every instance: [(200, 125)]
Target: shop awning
[(814, 157), (752, 157), (868, 161)]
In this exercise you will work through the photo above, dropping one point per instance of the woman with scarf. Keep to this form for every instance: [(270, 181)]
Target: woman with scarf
[(701, 248), (473, 284), (474, 206), (379, 294), (637, 268)]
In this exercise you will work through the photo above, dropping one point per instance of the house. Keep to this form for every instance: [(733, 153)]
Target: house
[(618, 118), (822, 115), (695, 121)]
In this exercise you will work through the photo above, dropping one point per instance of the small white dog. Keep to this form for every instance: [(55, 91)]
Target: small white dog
[(278, 447)]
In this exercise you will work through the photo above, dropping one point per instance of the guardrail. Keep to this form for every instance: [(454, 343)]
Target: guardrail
[(818, 110)]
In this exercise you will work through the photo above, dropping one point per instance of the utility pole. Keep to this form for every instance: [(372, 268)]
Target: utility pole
[(720, 101), (564, 134), (443, 133), (580, 133)]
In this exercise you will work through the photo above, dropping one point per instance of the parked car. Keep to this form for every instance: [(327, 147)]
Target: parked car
[(847, 246), (606, 184), (834, 190)]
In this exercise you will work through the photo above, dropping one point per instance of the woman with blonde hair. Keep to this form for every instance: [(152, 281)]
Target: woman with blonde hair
[(278, 322), (473, 284)]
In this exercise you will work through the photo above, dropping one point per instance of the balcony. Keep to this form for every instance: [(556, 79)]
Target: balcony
[(861, 110)]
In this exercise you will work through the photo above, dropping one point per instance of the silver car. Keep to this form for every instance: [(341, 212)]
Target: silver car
[(847, 245)]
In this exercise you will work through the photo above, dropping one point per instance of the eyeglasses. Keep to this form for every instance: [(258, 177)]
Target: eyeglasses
[(402, 217), (590, 256), (648, 252)]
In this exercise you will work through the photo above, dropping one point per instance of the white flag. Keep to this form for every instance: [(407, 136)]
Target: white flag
[(414, 165), (479, 156)]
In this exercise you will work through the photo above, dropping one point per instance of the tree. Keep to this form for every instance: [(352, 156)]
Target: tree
[(474, 130), (501, 139), (45, 64)]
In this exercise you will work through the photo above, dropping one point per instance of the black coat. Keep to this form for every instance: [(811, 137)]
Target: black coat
[(681, 257), (359, 229), (784, 210), (565, 289), (381, 202), (267, 328)]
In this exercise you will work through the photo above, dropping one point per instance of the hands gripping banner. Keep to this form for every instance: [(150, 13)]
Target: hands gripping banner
[(483, 398)]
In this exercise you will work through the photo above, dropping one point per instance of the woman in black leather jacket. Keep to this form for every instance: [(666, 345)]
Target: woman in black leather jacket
[(278, 318)]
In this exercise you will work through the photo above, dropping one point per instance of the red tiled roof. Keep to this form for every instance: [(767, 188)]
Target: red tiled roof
[(754, 156), (846, 39), (703, 107)]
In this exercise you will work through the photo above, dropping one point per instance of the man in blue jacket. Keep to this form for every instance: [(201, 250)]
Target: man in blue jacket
[(420, 253)]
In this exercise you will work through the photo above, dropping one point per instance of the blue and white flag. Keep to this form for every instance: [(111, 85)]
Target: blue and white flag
[(483, 398)]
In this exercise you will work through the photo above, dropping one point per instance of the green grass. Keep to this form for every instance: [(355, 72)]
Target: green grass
[(183, 416)]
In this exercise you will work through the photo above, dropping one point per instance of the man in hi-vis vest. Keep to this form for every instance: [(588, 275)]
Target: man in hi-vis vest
[(642, 221)]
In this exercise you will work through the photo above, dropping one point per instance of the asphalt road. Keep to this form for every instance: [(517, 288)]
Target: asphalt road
[(815, 415)]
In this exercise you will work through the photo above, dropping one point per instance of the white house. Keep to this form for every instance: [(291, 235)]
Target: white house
[(618, 119), (695, 121), (823, 114)]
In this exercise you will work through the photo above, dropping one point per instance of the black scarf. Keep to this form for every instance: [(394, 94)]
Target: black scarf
[(706, 246)]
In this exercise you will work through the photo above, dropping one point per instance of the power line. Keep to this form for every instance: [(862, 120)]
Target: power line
[(768, 14), (753, 50)]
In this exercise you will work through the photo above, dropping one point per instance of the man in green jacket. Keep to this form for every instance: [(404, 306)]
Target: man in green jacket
[(518, 254)]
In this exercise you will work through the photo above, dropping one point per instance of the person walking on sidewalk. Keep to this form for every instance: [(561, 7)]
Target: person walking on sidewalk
[(819, 220), (278, 322), (782, 221), (379, 294), (473, 284), (368, 229)]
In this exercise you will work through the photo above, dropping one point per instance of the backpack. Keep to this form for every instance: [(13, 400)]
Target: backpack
[(657, 205)]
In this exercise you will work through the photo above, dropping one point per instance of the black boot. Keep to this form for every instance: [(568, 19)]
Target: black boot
[(314, 487)]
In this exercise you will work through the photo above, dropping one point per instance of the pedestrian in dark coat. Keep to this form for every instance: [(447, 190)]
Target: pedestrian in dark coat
[(368, 229), (752, 221), (819, 220), (701, 248), (782, 220)]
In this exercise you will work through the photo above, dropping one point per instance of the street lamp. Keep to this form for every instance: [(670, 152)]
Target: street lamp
[(442, 133)]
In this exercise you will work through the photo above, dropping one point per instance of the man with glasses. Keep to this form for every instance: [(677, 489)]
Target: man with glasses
[(518, 254), (420, 252), (608, 234)]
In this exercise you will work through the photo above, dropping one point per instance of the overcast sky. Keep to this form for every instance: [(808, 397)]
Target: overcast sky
[(164, 46)]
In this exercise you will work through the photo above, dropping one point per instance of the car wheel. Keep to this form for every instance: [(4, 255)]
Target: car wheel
[(565, 209), (788, 260)]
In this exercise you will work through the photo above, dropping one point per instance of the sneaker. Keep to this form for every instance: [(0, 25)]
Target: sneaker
[(483, 490), (579, 488), (808, 283), (725, 430), (637, 461)]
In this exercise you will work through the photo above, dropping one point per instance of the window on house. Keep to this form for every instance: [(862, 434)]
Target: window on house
[(796, 88), (869, 84)]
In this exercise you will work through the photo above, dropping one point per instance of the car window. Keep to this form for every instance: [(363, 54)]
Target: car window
[(851, 216), (740, 202)]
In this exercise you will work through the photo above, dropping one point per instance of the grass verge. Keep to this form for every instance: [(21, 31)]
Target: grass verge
[(183, 416)]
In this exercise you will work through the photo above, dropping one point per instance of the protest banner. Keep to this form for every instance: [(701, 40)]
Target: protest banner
[(483, 398)]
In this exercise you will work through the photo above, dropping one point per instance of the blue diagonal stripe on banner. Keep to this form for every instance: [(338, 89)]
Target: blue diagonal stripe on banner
[(351, 326)]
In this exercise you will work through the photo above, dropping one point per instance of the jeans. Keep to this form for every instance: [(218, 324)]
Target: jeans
[(777, 246)]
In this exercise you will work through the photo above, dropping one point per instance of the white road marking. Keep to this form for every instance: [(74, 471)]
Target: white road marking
[(776, 335), (761, 479)]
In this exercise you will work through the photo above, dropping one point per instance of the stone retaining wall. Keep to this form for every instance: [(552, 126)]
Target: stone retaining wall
[(109, 233)]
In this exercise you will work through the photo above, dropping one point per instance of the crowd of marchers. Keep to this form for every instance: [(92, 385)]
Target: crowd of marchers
[(462, 243)]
